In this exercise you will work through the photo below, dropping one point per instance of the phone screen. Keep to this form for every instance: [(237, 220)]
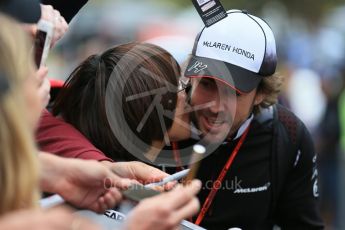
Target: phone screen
[(39, 46)]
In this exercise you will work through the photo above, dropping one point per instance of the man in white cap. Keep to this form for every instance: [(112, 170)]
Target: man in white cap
[(261, 168)]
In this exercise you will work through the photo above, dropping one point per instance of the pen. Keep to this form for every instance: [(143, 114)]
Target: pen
[(51, 201), (173, 177), (198, 153)]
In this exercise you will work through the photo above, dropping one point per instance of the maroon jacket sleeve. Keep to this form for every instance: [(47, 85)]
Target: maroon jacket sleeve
[(60, 138)]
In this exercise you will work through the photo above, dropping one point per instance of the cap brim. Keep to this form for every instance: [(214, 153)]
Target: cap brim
[(25, 11), (242, 80)]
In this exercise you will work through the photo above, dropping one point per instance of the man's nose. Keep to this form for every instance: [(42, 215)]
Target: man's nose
[(217, 105)]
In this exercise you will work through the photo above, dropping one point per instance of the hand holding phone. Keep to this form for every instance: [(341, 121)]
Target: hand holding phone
[(43, 41)]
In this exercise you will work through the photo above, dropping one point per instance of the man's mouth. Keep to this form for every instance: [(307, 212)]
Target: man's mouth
[(215, 121)]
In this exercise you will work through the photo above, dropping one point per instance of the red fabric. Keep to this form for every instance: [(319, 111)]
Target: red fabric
[(60, 138), (54, 83)]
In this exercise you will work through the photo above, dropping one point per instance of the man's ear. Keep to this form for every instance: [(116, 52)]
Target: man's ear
[(259, 97)]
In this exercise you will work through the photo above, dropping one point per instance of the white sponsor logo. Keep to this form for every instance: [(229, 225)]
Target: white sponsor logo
[(230, 48), (208, 6), (315, 174), (202, 2), (314, 159), (253, 190), (115, 215), (297, 158), (316, 189), (197, 67)]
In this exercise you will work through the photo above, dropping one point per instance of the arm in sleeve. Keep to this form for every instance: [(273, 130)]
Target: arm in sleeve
[(67, 8), (55, 136), (298, 207)]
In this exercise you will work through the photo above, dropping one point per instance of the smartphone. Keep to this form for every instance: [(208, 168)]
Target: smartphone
[(43, 41)]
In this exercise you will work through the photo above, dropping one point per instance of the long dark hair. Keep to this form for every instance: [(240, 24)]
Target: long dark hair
[(140, 68)]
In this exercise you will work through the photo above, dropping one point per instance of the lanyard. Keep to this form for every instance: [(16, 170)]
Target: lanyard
[(217, 184), (177, 157)]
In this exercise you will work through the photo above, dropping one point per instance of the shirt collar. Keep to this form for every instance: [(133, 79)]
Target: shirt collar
[(243, 127)]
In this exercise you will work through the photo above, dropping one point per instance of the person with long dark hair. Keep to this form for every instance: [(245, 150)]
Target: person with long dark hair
[(24, 172), (99, 99)]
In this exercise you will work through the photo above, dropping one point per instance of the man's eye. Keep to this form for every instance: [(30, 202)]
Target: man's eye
[(206, 83)]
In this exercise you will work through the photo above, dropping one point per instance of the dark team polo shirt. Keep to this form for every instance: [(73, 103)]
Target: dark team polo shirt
[(251, 197), (244, 199)]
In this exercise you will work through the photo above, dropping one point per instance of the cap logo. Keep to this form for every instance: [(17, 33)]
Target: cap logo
[(226, 47), (217, 45), (197, 67)]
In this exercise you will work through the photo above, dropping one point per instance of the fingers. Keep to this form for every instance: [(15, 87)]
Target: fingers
[(107, 164), (169, 186), (41, 74), (31, 29), (167, 210), (166, 187), (107, 201), (44, 92), (112, 180), (151, 174), (44, 85), (186, 211), (111, 198), (173, 220), (101, 206), (158, 188), (47, 12), (181, 195), (60, 27), (183, 202), (59, 22), (143, 172)]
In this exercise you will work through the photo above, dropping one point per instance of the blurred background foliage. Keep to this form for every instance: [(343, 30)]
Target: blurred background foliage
[(311, 10)]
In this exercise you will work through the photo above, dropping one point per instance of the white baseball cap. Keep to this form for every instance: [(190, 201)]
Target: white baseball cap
[(239, 50)]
